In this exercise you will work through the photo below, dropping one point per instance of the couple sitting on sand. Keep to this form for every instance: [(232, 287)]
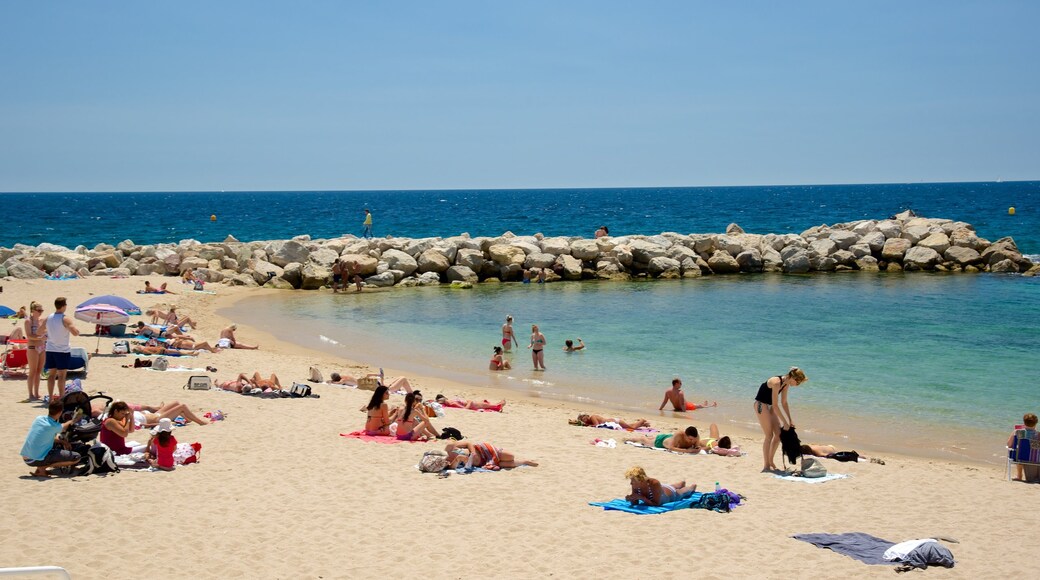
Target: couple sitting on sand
[(686, 441), (412, 422)]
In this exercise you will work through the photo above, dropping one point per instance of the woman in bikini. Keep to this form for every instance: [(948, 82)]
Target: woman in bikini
[(537, 347), (652, 492), (412, 422), (378, 421), (36, 339), (498, 362), (483, 455), (589, 420), (770, 407), (458, 403), (172, 319)]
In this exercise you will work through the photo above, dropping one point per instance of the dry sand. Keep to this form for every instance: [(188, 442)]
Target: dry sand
[(279, 494)]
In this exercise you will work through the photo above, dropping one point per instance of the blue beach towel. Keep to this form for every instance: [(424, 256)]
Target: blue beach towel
[(622, 505)]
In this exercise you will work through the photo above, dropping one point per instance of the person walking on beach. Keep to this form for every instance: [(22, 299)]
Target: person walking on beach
[(537, 347), (368, 224), (58, 356), (770, 407), (508, 338)]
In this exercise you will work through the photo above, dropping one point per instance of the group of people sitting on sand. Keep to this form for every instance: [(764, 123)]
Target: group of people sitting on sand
[(171, 340)]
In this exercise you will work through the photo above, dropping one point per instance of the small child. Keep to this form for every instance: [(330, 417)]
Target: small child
[(1029, 421), (161, 446)]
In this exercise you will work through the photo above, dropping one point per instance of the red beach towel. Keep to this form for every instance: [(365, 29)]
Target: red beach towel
[(387, 439)]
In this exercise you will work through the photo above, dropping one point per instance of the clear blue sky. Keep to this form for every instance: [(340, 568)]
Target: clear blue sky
[(255, 95)]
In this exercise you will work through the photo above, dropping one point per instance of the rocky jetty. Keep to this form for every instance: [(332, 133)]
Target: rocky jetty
[(904, 242)]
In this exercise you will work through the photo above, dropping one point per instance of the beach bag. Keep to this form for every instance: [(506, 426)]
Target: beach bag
[(433, 462), (98, 459), (121, 347), (199, 383), (811, 467), (844, 456), (300, 390), (138, 363), (161, 363), (314, 375), (368, 383)]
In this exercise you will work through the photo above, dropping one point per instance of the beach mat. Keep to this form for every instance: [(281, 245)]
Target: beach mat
[(856, 545), (825, 478), (622, 505), (386, 439), (641, 446)]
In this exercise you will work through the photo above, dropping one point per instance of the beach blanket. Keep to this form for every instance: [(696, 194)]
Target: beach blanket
[(722, 501), (387, 439), (177, 369), (825, 478), (641, 446), (144, 338), (856, 545)]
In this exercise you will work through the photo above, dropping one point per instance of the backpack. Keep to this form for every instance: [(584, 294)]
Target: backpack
[(121, 347), (98, 459), (812, 468), (314, 375), (433, 462), (161, 363), (300, 390)]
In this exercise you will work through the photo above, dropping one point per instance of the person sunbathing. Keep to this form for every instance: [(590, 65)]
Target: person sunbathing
[(596, 420), (160, 349), (831, 452), (714, 441), (228, 340), (260, 382), (484, 455), (458, 403), (149, 289), (652, 492), (149, 415), (412, 422), (338, 379), (185, 343), (161, 332), (237, 385), (175, 320), (685, 441)]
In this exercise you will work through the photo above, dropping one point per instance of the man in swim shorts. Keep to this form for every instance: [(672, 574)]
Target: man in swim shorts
[(508, 338), (685, 441), (675, 396)]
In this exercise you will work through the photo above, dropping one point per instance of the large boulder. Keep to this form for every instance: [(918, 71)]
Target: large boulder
[(867, 264), (771, 261), (540, 260), (366, 264), (428, 279), (920, 257), (399, 260), (210, 252), (844, 239), (585, 249), (663, 267), (208, 275), (571, 267), (112, 272), (506, 254), (461, 273), (797, 262), (1004, 266), (1004, 249), (286, 252), (721, 262), (278, 284), (432, 261), (916, 233), (730, 244), (895, 248), (24, 271), (823, 247), (324, 257), (293, 274), (384, 280), (962, 255), (472, 259), (750, 260), (890, 228), (194, 263), (644, 251), (241, 280), (967, 238), (734, 229), (555, 246), (314, 276), (938, 242)]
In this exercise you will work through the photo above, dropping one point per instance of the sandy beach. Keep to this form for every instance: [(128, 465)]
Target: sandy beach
[(278, 492)]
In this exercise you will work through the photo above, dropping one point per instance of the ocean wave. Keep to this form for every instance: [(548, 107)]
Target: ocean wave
[(1034, 258), (327, 339)]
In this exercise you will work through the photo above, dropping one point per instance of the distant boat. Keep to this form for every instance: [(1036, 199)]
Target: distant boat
[(1000, 180)]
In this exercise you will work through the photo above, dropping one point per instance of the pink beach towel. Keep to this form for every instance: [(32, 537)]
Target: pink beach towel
[(387, 439)]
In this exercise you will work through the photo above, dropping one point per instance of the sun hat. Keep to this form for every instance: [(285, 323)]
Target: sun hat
[(164, 425)]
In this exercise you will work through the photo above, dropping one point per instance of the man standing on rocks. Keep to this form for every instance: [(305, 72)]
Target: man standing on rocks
[(59, 352), (368, 224)]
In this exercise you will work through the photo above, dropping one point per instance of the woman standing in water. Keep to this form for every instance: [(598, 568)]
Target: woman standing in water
[(537, 347), (770, 407)]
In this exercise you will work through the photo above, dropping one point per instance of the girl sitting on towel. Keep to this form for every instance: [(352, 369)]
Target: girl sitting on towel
[(652, 492), (412, 422), (378, 421)]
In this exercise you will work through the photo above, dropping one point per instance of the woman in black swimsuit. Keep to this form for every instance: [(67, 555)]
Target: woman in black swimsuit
[(772, 418)]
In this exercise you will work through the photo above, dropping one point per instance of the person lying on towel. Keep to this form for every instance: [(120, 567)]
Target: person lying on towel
[(652, 492)]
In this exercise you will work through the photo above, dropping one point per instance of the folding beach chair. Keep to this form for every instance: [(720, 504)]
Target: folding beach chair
[(16, 360), (1024, 450)]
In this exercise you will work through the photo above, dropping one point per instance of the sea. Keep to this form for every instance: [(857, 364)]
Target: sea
[(932, 364)]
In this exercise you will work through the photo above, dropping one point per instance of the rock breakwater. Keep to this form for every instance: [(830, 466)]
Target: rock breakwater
[(904, 242)]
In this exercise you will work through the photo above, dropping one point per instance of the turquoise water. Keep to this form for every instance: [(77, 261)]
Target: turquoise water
[(952, 355)]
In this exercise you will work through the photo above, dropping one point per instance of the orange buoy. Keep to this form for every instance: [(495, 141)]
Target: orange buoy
[(213, 218), (1011, 210)]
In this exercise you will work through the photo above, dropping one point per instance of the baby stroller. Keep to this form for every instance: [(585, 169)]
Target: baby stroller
[(85, 429)]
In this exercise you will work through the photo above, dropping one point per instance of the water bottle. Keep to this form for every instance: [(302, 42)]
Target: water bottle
[(717, 488)]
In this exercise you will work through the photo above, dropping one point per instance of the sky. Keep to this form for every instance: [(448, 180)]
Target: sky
[(315, 95)]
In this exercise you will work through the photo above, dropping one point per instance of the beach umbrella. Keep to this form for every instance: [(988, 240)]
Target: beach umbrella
[(117, 301), (5, 311), (102, 315)]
